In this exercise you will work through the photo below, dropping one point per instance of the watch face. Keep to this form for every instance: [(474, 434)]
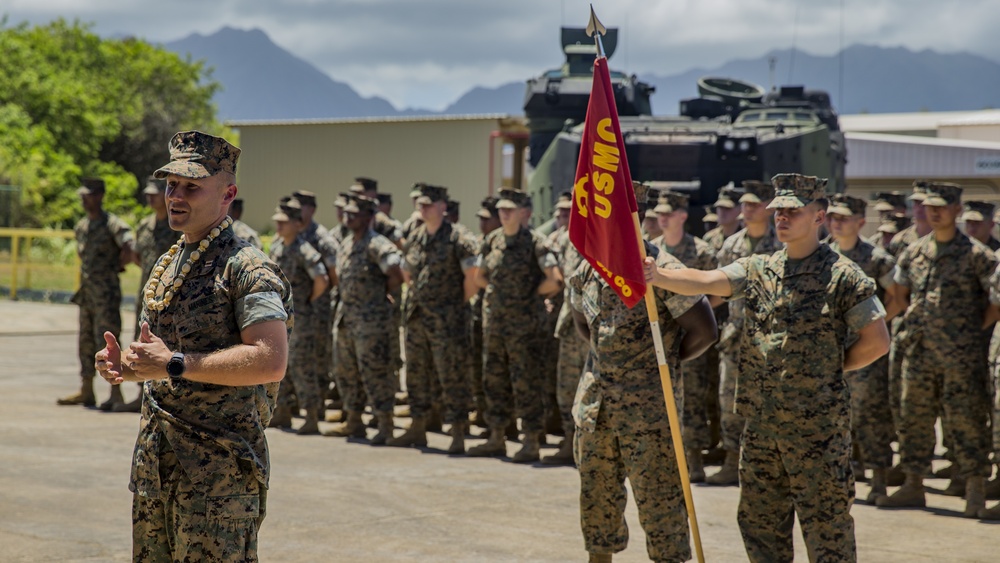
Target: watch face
[(175, 367)]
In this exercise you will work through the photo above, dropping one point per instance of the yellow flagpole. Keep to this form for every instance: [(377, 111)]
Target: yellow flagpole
[(668, 398)]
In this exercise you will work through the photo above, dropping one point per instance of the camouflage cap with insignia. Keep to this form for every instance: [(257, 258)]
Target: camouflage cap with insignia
[(488, 208), (796, 190), (429, 194), (919, 190), (194, 154), (727, 197), (565, 200), (943, 193), (415, 190), (362, 185), (360, 204), (888, 201), (513, 199), (710, 215), (670, 202), (288, 210), (90, 186), (978, 211), (305, 198), (894, 223), (846, 205), (755, 191), (155, 186), (342, 199)]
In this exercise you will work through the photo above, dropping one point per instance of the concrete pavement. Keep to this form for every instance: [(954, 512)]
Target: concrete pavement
[(64, 497)]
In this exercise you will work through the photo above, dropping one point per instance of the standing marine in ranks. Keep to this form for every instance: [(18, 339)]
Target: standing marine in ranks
[(978, 218), (489, 221)]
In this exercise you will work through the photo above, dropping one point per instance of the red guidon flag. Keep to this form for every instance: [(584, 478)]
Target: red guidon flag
[(601, 225)]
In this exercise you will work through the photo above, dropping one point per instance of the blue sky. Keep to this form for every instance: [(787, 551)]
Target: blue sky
[(427, 53)]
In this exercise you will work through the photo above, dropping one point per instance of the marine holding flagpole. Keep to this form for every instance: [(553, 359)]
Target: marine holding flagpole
[(623, 429)]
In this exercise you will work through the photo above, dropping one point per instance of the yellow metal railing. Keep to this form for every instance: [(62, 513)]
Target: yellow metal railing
[(18, 262)]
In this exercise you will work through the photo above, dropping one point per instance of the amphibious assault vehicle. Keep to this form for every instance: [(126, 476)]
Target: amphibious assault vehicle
[(733, 131)]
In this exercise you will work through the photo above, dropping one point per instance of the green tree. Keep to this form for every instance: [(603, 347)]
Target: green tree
[(73, 104)]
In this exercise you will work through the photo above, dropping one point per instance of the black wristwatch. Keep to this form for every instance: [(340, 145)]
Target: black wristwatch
[(175, 367)]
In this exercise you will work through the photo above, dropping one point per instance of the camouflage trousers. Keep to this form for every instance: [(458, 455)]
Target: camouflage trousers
[(363, 368), (573, 352), (323, 352), (696, 376), (731, 423), (994, 367), (896, 374), (631, 439), (940, 376), (437, 364), (511, 379), (215, 520), (302, 377), (96, 318), (781, 476), (871, 419), (476, 365), (548, 366)]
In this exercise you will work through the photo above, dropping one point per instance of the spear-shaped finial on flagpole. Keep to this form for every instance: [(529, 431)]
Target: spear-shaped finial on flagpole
[(596, 29)]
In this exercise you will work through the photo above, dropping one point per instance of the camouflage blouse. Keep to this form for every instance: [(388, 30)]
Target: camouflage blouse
[(436, 265), (361, 268), (798, 315), (214, 430), (98, 244), (514, 266)]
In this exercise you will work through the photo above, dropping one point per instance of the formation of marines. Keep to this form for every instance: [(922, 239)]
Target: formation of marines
[(510, 326)]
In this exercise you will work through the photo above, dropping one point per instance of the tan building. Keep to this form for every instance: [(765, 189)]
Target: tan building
[(466, 154)]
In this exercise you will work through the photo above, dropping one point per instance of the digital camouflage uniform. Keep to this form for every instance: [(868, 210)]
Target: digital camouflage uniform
[(360, 324), (98, 244), (899, 242), (512, 382), (871, 417), (573, 349), (245, 232), (392, 230), (153, 239), (994, 366), (695, 253), (201, 466), (622, 426), (323, 242), (944, 365), (740, 245), (437, 339), (796, 446), (715, 238), (301, 264)]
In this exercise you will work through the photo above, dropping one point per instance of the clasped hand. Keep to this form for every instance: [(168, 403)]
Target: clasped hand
[(146, 358)]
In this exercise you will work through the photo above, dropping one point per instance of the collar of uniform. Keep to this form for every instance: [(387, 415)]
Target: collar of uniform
[(814, 264), (957, 246)]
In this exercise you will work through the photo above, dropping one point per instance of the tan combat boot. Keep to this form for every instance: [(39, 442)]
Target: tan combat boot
[(696, 466), (599, 558), (415, 435), (878, 484), (457, 446), (134, 405), (311, 427), (116, 398), (494, 446), (529, 449), (281, 418), (730, 472), (975, 496), (990, 513), (352, 427), (85, 397), (385, 427), (564, 455), (910, 495)]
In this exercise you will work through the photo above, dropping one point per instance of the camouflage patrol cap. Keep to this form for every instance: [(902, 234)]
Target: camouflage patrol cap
[(154, 186), (194, 154), (362, 185), (796, 190), (289, 210), (641, 190), (888, 201), (670, 202), (415, 190), (919, 190), (90, 186), (565, 200), (342, 199), (384, 198), (360, 204), (727, 197), (452, 207), (894, 224), (978, 211), (513, 199), (846, 205), (488, 208), (943, 193), (710, 215), (429, 194), (755, 191), (305, 198)]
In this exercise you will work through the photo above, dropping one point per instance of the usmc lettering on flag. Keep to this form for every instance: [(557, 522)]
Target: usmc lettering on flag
[(602, 226)]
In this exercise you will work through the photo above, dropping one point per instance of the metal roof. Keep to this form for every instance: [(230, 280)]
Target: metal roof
[(899, 122), (348, 120), (873, 155)]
